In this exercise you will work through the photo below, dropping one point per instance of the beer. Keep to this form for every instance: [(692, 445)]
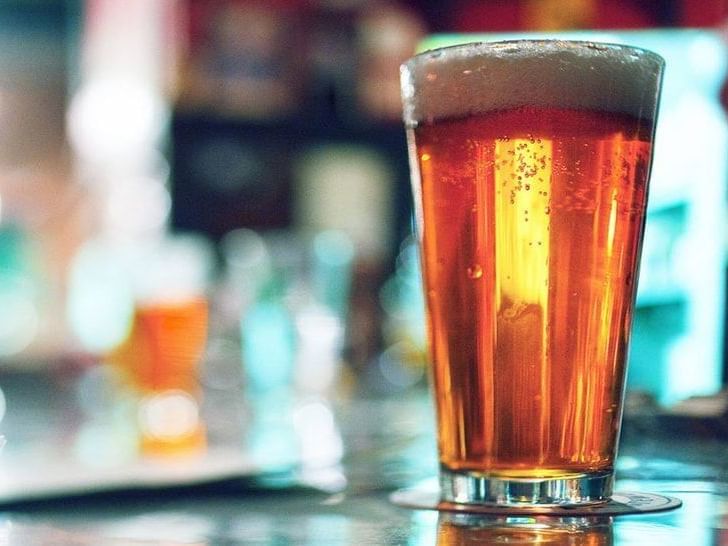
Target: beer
[(530, 170), (170, 338), (164, 346), (531, 223)]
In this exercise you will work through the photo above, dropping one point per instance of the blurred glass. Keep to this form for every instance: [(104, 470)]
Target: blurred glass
[(404, 360), (246, 265), (292, 295), (166, 338)]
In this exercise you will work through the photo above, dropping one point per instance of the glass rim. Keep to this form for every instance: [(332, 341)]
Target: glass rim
[(481, 47)]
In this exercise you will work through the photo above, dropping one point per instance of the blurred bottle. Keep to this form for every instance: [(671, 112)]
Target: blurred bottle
[(387, 35), (331, 91), (349, 189), (245, 58), (268, 340), (322, 311), (246, 266)]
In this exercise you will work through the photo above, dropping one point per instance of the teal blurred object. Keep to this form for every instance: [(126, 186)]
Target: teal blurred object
[(100, 306), (14, 251), (333, 254), (403, 362), (268, 341), (109, 277), (677, 343), (293, 294), (20, 290)]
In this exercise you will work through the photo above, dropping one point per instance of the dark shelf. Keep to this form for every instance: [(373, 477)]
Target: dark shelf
[(232, 172)]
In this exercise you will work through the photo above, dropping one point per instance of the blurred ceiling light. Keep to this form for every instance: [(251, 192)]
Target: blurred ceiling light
[(176, 268), (111, 120), (100, 301), (169, 414), (319, 437), (137, 206)]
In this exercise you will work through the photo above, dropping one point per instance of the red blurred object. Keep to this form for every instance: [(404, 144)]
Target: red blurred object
[(625, 14), (502, 16), (702, 13), (244, 57), (475, 16), (478, 16)]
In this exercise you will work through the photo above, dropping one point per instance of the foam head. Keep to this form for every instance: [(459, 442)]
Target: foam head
[(459, 81)]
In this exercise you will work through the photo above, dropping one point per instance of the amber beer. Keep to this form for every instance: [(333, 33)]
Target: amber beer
[(530, 170), (170, 338), (530, 260), (164, 346)]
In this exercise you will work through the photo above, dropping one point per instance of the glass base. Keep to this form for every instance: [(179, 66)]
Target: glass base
[(465, 487)]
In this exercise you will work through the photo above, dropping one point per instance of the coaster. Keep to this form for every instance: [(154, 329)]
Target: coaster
[(427, 497)]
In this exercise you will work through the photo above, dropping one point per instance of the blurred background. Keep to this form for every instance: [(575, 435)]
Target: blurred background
[(204, 209)]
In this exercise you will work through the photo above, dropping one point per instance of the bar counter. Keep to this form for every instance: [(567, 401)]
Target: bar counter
[(63, 479)]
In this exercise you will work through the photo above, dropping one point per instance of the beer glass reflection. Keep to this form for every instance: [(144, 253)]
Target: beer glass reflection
[(530, 163), (462, 529)]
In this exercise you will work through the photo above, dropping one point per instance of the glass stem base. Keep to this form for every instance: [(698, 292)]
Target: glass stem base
[(466, 487)]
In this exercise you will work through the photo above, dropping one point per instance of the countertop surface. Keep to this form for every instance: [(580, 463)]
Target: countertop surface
[(312, 472)]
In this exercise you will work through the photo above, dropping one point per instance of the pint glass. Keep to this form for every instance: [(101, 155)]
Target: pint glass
[(530, 163)]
